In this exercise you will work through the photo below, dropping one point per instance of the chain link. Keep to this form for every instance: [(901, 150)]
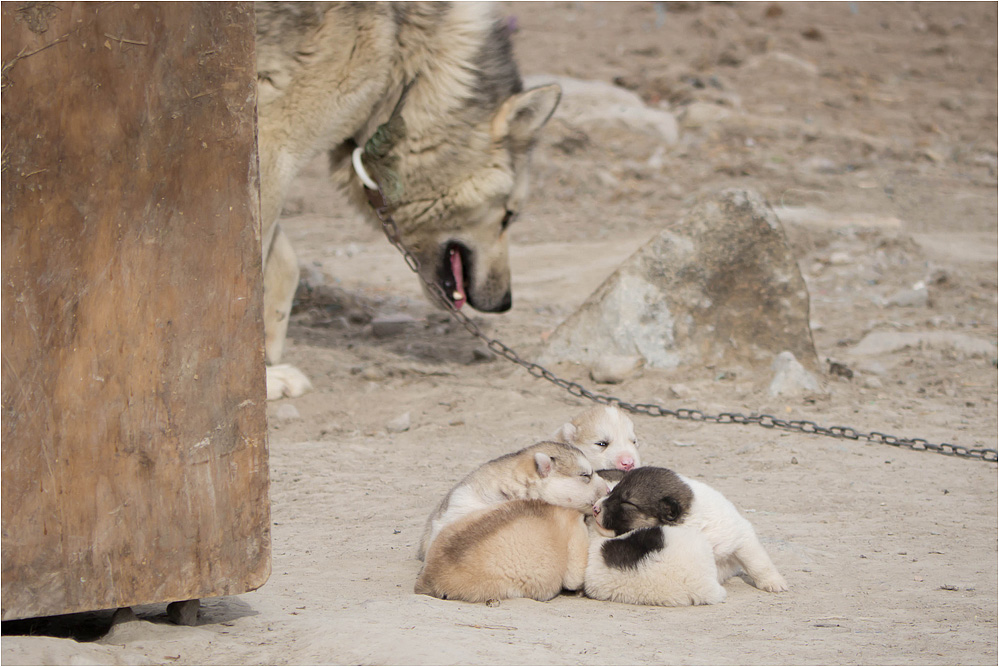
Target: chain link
[(654, 410)]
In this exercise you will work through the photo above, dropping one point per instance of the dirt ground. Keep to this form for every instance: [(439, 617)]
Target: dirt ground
[(872, 131)]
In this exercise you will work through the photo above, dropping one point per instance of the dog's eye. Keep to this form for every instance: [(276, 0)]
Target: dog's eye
[(507, 219), (587, 475), (602, 443)]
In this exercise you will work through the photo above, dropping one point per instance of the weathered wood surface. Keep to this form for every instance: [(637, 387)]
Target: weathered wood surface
[(133, 434)]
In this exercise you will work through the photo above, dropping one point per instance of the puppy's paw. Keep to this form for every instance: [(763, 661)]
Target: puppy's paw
[(773, 583), (286, 380)]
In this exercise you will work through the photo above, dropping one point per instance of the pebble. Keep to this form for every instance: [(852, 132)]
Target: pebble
[(613, 369), (287, 412), (917, 297), (791, 378), (879, 343), (373, 374), (400, 424), (384, 326)]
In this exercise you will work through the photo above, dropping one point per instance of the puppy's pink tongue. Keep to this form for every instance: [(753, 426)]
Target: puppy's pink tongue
[(458, 296)]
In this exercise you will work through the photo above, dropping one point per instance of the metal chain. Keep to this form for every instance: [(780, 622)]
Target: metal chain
[(655, 410)]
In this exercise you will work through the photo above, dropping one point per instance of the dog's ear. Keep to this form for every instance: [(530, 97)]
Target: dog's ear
[(669, 510), (543, 464), (522, 115), (565, 433)]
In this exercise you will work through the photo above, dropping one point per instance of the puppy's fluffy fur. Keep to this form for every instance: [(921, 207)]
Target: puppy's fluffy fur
[(554, 472), (662, 521), (605, 435), (522, 548)]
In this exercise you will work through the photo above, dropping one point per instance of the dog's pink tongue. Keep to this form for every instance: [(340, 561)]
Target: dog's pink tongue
[(458, 297)]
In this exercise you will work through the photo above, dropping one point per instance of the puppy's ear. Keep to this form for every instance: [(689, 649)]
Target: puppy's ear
[(668, 510), (522, 115), (543, 464), (565, 433)]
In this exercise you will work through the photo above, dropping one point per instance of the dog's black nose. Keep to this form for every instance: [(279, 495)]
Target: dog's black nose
[(506, 304)]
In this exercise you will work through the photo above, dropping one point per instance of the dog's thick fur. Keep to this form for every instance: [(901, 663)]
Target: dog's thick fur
[(523, 548), (644, 510), (605, 435), (669, 566), (451, 159), (554, 472)]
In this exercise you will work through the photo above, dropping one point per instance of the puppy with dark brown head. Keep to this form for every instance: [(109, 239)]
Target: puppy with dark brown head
[(657, 497), (653, 558)]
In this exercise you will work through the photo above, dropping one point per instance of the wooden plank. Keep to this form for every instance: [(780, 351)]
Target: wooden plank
[(134, 436)]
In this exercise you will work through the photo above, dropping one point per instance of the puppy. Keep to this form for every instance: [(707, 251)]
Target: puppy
[(653, 497), (522, 548), (605, 435), (554, 472)]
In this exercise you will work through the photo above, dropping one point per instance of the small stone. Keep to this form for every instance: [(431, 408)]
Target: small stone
[(917, 297), (492, 602), (184, 613), (791, 378), (123, 615), (385, 326), (482, 354), (287, 412), (399, 425), (679, 390), (372, 374), (613, 369), (873, 382)]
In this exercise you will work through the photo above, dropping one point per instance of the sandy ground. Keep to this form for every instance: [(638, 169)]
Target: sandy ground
[(871, 129)]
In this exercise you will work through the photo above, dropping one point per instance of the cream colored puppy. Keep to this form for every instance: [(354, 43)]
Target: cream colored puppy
[(522, 548), (554, 472), (605, 435)]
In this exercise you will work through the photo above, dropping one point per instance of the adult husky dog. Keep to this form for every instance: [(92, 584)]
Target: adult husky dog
[(431, 94)]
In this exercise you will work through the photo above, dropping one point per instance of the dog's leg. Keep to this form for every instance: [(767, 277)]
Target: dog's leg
[(280, 282), (759, 567), (281, 275)]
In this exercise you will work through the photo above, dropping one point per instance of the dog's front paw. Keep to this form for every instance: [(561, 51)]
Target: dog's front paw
[(286, 380), (772, 584)]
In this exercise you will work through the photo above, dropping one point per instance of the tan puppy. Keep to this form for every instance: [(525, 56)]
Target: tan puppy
[(523, 548), (554, 472), (605, 435)]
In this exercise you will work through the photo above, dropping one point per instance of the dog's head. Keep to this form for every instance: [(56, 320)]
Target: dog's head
[(454, 180), (645, 497), (559, 474), (606, 435)]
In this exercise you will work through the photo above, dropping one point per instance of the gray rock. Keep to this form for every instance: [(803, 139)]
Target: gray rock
[(385, 326), (791, 378), (400, 424), (614, 369), (184, 612), (720, 286), (886, 342), (287, 412), (917, 297)]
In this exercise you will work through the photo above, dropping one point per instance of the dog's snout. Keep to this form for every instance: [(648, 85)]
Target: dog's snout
[(626, 463), (506, 303)]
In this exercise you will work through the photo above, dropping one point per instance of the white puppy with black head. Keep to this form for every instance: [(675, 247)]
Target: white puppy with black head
[(676, 540)]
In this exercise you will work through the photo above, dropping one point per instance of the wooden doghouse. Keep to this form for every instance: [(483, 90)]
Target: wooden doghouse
[(134, 433)]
